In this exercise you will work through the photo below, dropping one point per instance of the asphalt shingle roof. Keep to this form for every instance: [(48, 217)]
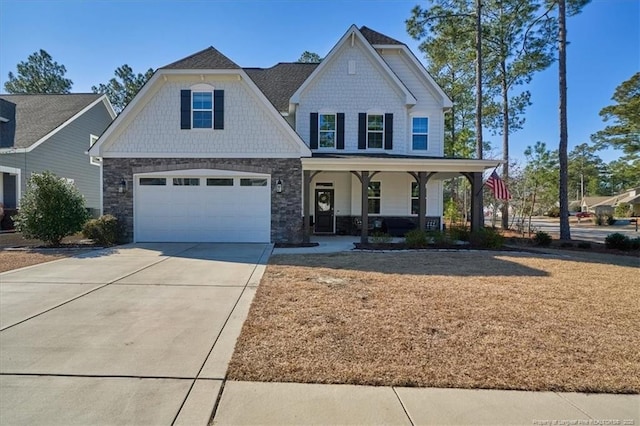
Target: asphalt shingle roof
[(281, 81), (207, 59), (375, 37), (38, 115)]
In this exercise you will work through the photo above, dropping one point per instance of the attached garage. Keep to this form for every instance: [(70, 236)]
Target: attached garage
[(202, 206)]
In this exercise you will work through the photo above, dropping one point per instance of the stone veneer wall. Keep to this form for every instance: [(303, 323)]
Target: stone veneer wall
[(286, 207)]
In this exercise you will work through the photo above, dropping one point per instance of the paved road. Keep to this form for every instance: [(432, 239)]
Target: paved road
[(141, 334)]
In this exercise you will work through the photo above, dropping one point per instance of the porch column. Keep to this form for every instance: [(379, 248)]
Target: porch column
[(422, 200), (306, 223), (477, 215), (364, 235)]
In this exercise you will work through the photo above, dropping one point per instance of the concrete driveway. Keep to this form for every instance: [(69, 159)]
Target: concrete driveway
[(139, 334)]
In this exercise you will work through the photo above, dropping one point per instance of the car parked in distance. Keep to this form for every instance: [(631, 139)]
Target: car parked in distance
[(582, 215)]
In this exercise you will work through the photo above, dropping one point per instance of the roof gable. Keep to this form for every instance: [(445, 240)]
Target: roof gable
[(209, 59), (348, 37), (36, 116)]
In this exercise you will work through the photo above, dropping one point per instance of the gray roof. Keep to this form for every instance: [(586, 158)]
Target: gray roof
[(207, 59), (375, 37), (38, 115), (281, 81)]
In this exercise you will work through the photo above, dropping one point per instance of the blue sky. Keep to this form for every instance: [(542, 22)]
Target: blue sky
[(94, 37)]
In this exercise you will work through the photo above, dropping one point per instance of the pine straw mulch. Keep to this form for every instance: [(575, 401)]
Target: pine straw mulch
[(492, 320)]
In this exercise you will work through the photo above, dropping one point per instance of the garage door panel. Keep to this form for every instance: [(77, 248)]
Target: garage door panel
[(202, 213)]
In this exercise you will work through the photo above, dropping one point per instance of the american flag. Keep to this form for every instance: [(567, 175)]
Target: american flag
[(498, 187)]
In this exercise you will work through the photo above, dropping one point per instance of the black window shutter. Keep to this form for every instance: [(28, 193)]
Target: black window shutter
[(313, 130), (362, 130), (340, 131), (218, 109), (388, 131), (185, 109)]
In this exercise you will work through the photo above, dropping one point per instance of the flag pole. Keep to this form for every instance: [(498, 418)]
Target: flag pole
[(484, 181)]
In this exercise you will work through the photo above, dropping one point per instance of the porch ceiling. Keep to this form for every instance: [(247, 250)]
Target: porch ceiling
[(397, 164)]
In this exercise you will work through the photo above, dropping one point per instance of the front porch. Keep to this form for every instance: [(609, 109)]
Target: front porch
[(351, 194)]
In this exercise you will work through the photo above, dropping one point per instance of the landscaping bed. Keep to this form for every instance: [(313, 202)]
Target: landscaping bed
[(446, 319)]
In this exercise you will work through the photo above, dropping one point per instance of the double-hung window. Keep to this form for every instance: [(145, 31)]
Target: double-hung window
[(375, 131), (327, 130), (420, 133), (415, 194), (373, 197), (202, 110)]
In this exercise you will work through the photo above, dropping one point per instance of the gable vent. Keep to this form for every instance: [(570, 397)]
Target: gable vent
[(352, 67)]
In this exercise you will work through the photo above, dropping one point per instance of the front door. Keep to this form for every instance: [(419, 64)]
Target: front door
[(324, 210)]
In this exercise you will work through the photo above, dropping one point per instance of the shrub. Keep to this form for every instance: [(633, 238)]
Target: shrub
[(51, 209), (542, 239), (623, 210), (486, 238), (554, 212), (617, 241), (566, 245), (598, 220), (609, 219), (584, 245), (104, 231), (635, 243), (416, 238), (379, 237), (459, 233), (439, 238)]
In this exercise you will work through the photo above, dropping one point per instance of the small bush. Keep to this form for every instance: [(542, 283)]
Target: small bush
[(542, 239), (617, 241), (635, 243), (104, 231), (51, 209), (381, 238), (566, 245), (610, 220), (459, 233), (598, 220), (486, 238), (439, 239), (416, 238), (554, 212), (584, 245)]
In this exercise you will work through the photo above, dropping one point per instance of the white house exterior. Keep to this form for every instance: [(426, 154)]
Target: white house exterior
[(209, 151)]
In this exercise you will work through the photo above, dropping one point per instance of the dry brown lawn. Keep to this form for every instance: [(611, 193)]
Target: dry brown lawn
[(10, 260), (446, 319)]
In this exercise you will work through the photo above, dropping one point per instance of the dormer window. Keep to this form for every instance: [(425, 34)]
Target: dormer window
[(202, 110)]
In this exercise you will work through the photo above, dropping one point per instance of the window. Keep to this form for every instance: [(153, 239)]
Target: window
[(420, 127), (202, 110), (186, 182), (375, 130), (374, 197), (253, 182), (415, 193), (219, 181), (153, 181), (327, 130)]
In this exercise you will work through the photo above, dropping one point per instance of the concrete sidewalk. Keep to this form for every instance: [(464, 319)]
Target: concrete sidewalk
[(253, 403)]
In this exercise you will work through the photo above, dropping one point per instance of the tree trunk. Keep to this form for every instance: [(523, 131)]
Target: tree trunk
[(479, 142), (505, 141), (565, 231)]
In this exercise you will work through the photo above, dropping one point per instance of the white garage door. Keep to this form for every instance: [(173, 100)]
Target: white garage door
[(190, 206)]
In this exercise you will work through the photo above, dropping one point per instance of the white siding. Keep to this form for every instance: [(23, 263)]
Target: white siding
[(335, 90), (429, 102), (250, 130), (342, 191)]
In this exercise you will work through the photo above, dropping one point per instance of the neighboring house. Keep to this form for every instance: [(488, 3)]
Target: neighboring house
[(54, 133), (607, 205), (210, 151)]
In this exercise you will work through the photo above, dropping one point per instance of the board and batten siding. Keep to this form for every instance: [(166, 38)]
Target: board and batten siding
[(64, 155)]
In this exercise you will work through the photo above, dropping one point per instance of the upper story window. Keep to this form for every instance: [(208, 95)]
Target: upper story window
[(202, 109), (375, 131), (420, 133), (327, 130)]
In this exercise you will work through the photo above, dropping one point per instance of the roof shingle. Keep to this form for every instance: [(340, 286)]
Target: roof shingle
[(281, 81), (207, 59), (38, 115), (375, 37)]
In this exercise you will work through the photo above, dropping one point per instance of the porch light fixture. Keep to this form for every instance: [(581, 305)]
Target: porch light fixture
[(123, 186), (278, 186)]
